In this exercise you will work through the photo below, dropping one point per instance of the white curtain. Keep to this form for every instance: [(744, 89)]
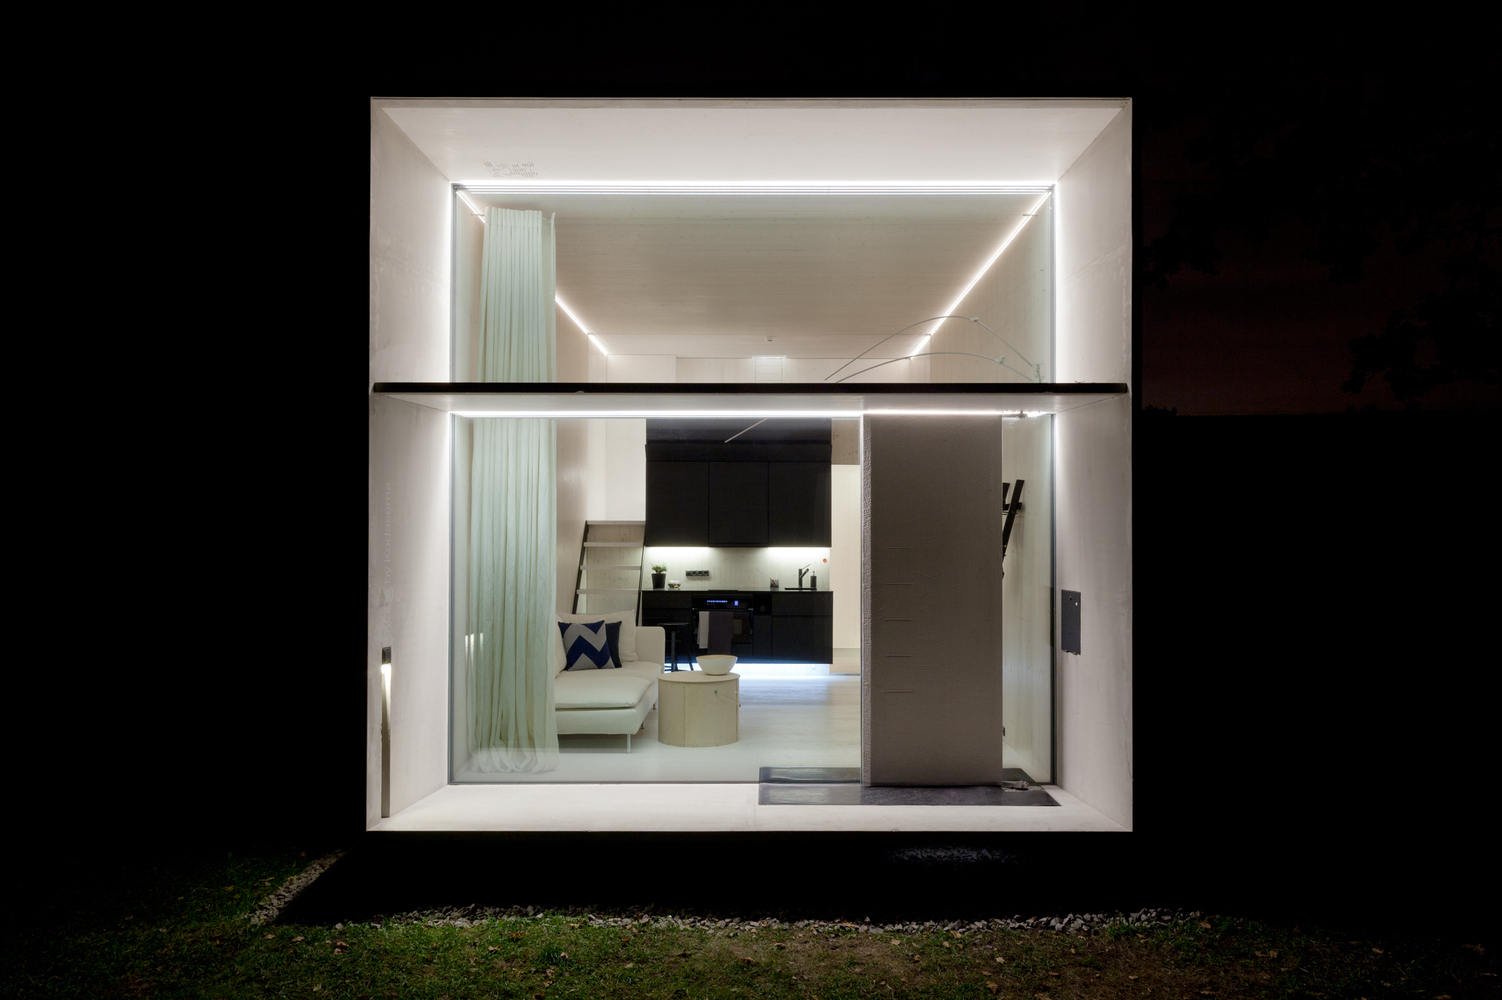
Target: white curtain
[(513, 534)]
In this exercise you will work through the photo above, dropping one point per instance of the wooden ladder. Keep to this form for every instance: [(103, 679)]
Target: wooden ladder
[(612, 554)]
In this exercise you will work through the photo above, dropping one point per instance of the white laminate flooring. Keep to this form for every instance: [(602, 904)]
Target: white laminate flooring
[(811, 721)]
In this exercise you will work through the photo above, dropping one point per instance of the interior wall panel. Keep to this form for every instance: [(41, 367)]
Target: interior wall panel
[(573, 349), (931, 663), (845, 553)]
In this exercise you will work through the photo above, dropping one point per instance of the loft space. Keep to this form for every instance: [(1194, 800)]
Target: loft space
[(755, 241)]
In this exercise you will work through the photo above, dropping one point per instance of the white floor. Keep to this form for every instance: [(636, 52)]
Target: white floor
[(784, 721), (809, 721), (674, 808)]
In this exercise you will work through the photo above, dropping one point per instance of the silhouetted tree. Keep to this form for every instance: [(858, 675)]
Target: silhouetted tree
[(1407, 160)]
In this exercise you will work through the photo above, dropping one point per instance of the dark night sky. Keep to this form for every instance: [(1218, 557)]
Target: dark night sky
[(282, 542)]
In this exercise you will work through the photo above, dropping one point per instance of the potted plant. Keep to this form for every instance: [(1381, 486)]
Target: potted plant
[(659, 576)]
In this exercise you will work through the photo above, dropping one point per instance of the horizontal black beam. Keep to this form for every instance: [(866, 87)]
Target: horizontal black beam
[(762, 388)]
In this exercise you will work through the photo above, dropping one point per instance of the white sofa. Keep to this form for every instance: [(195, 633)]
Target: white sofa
[(612, 701)]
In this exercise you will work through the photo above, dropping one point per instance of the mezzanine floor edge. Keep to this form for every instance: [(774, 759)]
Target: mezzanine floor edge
[(606, 399)]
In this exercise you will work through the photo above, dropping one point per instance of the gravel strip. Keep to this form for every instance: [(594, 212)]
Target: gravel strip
[(1072, 923), (277, 901)]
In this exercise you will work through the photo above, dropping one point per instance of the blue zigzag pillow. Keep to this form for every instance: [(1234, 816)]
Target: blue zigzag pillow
[(586, 645)]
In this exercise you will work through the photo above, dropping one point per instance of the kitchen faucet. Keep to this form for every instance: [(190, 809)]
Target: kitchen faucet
[(800, 575)]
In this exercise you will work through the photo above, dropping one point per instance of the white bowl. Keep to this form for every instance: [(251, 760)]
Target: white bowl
[(715, 663)]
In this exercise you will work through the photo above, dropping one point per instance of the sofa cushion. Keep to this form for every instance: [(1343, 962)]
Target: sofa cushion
[(598, 689), (625, 649), (586, 645)]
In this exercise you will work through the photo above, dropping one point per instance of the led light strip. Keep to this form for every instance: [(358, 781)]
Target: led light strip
[(982, 273), (904, 188), (624, 414), (478, 214), (741, 414), (580, 323)]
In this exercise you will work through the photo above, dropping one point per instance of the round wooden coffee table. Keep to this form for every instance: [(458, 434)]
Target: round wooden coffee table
[(695, 709)]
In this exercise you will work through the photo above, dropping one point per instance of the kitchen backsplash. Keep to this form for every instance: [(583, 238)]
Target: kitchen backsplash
[(740, 569)]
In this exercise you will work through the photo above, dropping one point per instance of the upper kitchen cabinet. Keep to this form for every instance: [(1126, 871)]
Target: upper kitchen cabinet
[(677, 503), (729, 482), (738, 504), (798, 503)]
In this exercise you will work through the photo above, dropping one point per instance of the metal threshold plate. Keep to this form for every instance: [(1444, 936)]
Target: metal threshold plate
[(840, 786), (890, 795)]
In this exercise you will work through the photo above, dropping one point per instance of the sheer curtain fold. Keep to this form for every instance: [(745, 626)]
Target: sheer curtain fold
[(513, 507)]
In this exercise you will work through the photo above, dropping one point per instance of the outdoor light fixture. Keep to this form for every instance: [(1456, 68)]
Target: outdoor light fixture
[(385, 732)]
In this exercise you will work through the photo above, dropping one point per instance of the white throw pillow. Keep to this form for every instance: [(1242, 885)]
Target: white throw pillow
[(627, 650)]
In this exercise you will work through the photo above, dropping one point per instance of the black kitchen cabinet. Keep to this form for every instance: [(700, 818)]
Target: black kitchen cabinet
[(680, 601), (678, 503), (805, 639), (795, 626), (798, 503), (761, 635), (737, 503), (819, 603)]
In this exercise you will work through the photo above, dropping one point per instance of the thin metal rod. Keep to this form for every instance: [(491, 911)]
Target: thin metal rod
[(929, 355), (739, 433), (874, 346), (976, 320), (973, 319)]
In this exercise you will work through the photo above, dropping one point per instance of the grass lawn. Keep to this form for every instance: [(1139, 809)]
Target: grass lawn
[(181, 928)]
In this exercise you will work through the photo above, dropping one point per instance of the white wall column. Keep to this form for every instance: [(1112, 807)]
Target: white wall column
[(1093, 459)]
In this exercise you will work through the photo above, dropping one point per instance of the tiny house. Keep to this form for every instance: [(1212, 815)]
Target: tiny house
[(886, 344)]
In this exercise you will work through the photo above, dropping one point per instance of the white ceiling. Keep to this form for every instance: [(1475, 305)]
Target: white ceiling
[(716, 275), (762, 142), (697, 273)]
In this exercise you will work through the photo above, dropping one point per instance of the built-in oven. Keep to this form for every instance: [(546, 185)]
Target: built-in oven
[(742, 616)]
